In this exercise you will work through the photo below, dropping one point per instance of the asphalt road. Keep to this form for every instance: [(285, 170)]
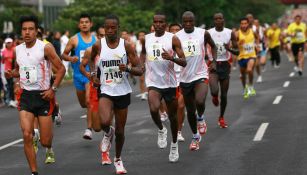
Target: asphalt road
[(262, 138)]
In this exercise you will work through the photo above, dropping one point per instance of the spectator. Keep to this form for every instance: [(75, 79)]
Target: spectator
[(8, 60), (56, 42), (64, 41)]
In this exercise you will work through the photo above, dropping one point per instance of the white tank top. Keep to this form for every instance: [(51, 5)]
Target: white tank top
[(113, 81), (159, 73), (34, 69), (219, 38), (193, 48)]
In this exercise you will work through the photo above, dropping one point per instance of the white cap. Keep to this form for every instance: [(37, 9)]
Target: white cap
[(8, 40)]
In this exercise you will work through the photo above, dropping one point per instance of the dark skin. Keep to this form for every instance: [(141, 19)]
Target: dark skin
[(154, 97), (29, 33), (196, 101), (214, 80), (106, 109)]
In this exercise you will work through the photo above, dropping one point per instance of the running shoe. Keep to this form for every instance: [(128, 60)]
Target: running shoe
[(195, 143), (87, 134), (105, 159), (252, 91), (163, 116), (246, 92), (300, 72), (49, 156), (58, 118), (119, 166), (202, 126), (174, 154), (143, 96), (106, 142), (36, 138), (215, 100), (222, 123), (259, 79), (162, 138), (180, 138)]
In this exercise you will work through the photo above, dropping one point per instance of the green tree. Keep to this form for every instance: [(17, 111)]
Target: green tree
[(131, 18)]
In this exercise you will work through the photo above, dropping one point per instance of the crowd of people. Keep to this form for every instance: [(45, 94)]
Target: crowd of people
[(176, 64)]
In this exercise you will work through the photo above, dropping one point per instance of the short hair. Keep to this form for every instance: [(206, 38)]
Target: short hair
[(99, 27), (175, 24), (113, 17), (85, 15), (244, 19), (160, 14), (29, 18), (298, 16)]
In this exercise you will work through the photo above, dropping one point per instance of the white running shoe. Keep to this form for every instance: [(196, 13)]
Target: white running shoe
[(259, 79), (174, 154), (296, 69), (119, 166), (202, 126), (58, 118), (180, 138), (163, 116), (162, 138), (144, 96), (106, 142), (13, 104), (87, 134)]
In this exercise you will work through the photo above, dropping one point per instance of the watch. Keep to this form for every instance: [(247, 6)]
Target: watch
[(54, 88)]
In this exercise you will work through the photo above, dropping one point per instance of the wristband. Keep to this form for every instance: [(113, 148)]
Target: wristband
[(54, 88), (92, 74), (128, 68)]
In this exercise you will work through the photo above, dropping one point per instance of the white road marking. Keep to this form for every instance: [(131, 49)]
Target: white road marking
[(83, 116), (277, 99), (10, 144), (292, 74), (286, 84), (260, 132)]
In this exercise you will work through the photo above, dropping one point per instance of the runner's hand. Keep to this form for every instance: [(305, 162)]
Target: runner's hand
[(122, 67), (8, 74), (166, 55), (74, 59), (212, 66), (48, 94)]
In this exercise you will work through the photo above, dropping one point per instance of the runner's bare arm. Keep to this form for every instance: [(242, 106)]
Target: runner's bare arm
[(136, 68), (91, 60), (84, 62), (56, 63), (178, 49), (209, 40), (15, 72), (143, 52), (234, 48), (70, 45)]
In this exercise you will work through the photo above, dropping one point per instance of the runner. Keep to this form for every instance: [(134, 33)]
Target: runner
[(158, 54), (274, 38), (174, 28), (80, 42), (297, 31), (247, 54), (96, 122), (114, 97), (223, 38), (194, 77), (34, 59)]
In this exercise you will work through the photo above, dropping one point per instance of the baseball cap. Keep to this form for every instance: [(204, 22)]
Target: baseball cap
[(8, 40)]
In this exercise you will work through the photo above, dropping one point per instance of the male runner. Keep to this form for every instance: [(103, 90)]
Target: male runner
[(114, 98), (194, 77), (248, 43), (80, 42), (174, 28), (298, 32), (33, 68), (158, 54), (223, 38)]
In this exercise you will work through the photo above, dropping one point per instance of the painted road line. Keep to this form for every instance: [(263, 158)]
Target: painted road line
[(277, 99), (286, 84), (260, 132), (10, 144)]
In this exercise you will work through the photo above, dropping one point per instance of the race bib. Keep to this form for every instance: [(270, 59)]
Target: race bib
[(248, 48), (155, 52), (191, 48), (299, 36), (28, 75), (112, 76), (81, 55), (221, 50)]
